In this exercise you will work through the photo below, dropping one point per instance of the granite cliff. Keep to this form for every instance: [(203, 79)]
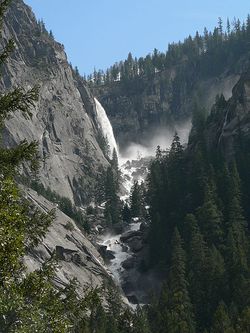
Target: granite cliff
[(229, 122), (64, 118)]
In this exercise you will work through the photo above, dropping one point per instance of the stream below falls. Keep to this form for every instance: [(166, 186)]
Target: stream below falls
[(119, 250), (124, 249)]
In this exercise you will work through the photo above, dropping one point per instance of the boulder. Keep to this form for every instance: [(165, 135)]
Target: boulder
[(129, 263), (135, 244), (105, 253), (133, 299), (130, 234)]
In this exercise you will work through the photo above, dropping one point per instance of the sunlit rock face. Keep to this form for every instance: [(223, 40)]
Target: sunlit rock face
[(64, 119), (139, 109), (75, 254)]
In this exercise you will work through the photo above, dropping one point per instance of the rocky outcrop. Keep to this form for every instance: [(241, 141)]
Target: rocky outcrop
[(229, 123), (105, 253), (128, 235), (76, 255), (63, 119)]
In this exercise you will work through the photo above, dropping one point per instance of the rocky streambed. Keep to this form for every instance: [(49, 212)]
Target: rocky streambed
[(124, 247), (125, 255)]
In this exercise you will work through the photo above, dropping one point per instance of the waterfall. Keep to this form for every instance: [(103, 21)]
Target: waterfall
[(106, 127)]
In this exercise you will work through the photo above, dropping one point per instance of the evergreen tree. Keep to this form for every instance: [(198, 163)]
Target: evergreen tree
[(214, 281), (243, 321), (221, 320), (126, 213), (220, 26), (136, 201), (237, 265), (51, 34), (228, 27), (140, 321), (112, 206), (115, 167), (158, 154), (210, 217), (175, 305), (197, 255), (111, 188)]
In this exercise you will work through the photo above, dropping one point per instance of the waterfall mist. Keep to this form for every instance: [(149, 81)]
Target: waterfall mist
[(162, 137)]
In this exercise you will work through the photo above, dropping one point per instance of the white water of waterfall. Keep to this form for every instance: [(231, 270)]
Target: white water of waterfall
[(106, 127), (119, 250)]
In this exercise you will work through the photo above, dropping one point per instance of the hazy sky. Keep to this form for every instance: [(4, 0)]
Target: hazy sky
[(97, 33)]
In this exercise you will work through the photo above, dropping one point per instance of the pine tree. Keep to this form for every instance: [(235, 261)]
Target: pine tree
[(136, 201), (197, 255), (228, 28), (115, 167), (51, 34), (220, 26), (237, 247), (243, 321), (175, 305), (176, 178), (210, 217), (221, 320), (214, 281), (112, 206), (126, 213), (176, 149), (237, 264), (140, 321), (158, 154)]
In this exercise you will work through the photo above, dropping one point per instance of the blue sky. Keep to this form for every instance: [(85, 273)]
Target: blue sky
[(97, 33)]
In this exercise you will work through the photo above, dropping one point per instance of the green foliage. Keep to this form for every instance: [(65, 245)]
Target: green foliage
[(175, 309), (197, 52), (198, 192), (33, 304), (103, 143), (113, 205), (136, 201), (221, 321), (64, 204), (210, 218), (69, 226)]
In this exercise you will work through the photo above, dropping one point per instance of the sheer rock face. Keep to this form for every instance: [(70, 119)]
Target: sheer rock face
[(231, 125), (63, 120)]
